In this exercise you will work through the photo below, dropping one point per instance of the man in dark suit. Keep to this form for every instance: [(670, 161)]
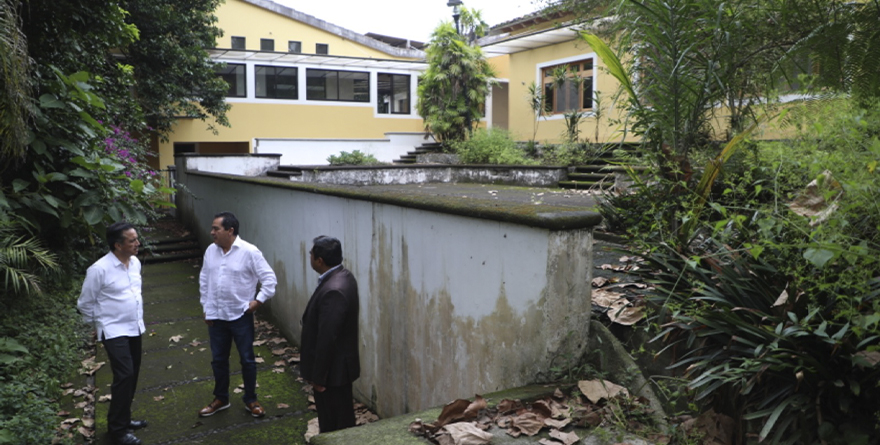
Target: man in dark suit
[(329, 358)]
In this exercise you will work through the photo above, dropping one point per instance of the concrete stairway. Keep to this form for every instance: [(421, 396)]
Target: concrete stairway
[(411, 156), (290, 172), (599, 173)]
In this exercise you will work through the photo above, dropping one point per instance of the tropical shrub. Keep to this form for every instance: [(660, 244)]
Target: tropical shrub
[(353, 158), (454, 88), (492, 146), (49, 332), (771, 302)]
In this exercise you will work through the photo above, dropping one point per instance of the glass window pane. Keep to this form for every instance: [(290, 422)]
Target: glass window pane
[(285, 83), (238, 43), (234, 75), (322, 48), (383, 93), (400, 94), (263, 75), (267, 45), (588, 93), (316, 84), (294, 46)]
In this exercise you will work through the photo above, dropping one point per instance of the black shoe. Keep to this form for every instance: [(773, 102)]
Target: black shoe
[(126, 439), (137, 424)]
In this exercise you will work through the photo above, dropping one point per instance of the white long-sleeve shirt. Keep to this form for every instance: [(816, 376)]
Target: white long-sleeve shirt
[(111, 298), (228, 281)]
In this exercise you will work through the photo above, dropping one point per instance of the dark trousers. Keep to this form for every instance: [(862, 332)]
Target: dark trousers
[(125, 361), (222, 334), (335, 408)]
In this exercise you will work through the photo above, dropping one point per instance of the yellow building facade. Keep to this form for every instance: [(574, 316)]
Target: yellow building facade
[(301, 85), (307, 89)]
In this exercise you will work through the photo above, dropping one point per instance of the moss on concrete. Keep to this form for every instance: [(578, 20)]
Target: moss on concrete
[(548, 217)]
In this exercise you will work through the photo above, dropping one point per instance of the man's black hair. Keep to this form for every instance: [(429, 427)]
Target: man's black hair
[(115, 233), (328, 249), (229, 221)]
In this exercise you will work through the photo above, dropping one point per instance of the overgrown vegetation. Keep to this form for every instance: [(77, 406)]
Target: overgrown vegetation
[(74, 156), (453, 90), (356, 157)]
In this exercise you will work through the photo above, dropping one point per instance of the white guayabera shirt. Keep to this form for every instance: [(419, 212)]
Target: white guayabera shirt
[(228, 280), (111, 298)]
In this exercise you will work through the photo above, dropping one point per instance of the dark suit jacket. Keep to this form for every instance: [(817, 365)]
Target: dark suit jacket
[(329, 350)]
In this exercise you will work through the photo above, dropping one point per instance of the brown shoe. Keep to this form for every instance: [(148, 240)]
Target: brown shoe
[(213, 407), (255, 409)]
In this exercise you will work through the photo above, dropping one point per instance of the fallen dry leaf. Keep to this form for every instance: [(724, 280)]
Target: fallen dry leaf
[(622, 312), (105, 398), (63, 413), (280, 351), (596, 390), (282, 406), (259, 342), (312, 430), (87, 433), (565, 438), (277, 340), (599, 281), (88, 422), (159, 398), (278, 370), (606, 298), (175, 338), (260, 360), (528, 423), (293, 358), (279, 363), (194, 343), (465, 433)]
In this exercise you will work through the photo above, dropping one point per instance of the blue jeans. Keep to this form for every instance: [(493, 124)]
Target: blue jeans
[(222, 333)]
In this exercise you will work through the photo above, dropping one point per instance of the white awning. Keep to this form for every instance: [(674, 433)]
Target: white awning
[(317, 59)]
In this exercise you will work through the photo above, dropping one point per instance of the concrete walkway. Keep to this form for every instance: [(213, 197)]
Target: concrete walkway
[(176, 380)]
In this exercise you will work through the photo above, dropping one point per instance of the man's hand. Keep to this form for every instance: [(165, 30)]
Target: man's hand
[(209, 322), (253, 305), (318, 387)]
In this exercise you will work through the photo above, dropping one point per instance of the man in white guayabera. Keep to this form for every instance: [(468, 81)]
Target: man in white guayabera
[(231, 270), (111, 302)]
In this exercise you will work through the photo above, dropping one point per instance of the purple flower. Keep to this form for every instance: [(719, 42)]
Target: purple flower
[(128, 174)]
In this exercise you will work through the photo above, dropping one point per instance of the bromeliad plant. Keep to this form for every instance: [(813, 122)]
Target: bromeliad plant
[(758, 348)]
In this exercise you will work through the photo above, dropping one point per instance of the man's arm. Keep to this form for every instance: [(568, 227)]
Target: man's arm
[(266, 275), (203, 285), (88, 298)]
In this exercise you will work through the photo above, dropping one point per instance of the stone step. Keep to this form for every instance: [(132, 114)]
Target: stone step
[(585, 185), (589, 177), (152, 259)]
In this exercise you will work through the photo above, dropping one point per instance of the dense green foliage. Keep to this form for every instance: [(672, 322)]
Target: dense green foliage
[(492, 146), (453, 90), (356, 157), (49, 330), (86, 84), (772, 304)]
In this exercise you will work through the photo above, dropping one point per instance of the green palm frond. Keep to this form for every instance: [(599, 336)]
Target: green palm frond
[(22, 261)]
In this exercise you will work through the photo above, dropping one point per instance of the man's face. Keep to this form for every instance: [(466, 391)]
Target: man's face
[(130, 243), (222, 237), (316, 263)]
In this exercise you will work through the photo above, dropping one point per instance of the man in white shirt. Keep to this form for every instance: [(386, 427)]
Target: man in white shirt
[(111, 302), (231, 269)]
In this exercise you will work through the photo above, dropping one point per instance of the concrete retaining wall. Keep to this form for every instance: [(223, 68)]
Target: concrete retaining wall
[(422, 174), (451, 304), (316, 151)]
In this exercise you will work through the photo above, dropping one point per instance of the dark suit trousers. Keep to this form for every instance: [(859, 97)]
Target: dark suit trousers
[(125, 361), (335, 408)]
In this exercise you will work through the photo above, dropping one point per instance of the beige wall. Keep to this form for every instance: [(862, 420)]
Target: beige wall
[(523, 69), (241, 19)]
